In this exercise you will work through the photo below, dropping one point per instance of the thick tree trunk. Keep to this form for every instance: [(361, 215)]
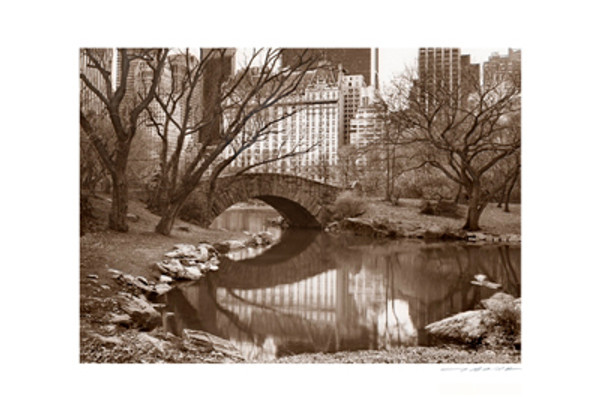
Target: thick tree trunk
[(159, 197), (476, 207), (117, 219), (165, 225)]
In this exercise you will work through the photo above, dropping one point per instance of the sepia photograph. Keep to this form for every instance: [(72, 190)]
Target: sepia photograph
[(300, 205)]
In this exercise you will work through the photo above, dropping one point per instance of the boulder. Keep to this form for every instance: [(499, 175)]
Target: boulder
[(229, 245), (208, 342), (143, 315), (170, 267), (190, 273), (498, 323), (468, 327), (499, 302)]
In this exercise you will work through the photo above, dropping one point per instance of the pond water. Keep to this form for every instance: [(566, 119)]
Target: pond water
[(315, 292)]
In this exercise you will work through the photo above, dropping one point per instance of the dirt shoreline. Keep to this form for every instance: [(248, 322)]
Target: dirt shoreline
[(135, 252)]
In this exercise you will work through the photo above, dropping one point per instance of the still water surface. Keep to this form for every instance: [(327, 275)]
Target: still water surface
[(314, 292)]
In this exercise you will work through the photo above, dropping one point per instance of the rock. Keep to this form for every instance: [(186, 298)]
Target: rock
[(209, 247), (468, 327), (434, 232), (482, 281), (229, 245), (474, 237), (202, 253), (171, 267), (121, 319), (189, 252), (161, 288), (182, 250), (209, 342), (133, 217), (127, 279), (105, 287), (143, 280), (498, 324), (165, 279), (191, 273), (143, 315), (150, 342), (93, 276), (499, 302), (107, 341)]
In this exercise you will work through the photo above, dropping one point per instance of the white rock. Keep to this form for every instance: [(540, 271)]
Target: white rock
[(191, 273)]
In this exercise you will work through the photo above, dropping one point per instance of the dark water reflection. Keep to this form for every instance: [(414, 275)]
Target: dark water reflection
[(314, 292)]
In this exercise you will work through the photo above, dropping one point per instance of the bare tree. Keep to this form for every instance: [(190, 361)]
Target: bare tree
[(218, 116), (123, 106), (464, 132)]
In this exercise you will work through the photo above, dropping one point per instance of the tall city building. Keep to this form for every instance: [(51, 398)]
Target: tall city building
[(357, 68), (502, 68), (313, 126), (445, 70), (89, 101), (352, 87), (355, 61), (366, 128)]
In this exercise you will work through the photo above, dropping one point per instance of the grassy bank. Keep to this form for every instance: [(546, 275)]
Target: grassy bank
[(493, 219)]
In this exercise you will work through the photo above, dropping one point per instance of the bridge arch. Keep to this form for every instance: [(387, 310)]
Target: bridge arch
[(301, 202)]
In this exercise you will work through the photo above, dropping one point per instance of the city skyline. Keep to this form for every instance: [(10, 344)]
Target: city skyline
[(394, 61)]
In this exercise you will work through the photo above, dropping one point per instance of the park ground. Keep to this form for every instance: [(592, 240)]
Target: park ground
[(136, 252)]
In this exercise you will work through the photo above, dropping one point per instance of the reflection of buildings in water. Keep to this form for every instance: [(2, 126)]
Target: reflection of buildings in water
[(394, 325), (331, 311), (382, 297)]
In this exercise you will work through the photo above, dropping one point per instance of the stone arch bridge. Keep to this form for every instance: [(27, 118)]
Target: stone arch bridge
[(301, 202)]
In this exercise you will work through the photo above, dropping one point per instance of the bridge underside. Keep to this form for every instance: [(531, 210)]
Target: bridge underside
[(294, 213)]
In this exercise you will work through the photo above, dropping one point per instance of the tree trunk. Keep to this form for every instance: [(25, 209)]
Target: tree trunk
[(117, 219), (509, 192), (159, 197), (501, 197), (458, 193), (476, 207), (165, 225)]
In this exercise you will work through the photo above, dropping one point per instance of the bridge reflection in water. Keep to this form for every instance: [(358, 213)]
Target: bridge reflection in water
[(317, 293)]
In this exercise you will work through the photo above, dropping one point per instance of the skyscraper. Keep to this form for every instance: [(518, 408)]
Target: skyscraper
[(502, 68), (90, 102), (355, 61), (446, 71)]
